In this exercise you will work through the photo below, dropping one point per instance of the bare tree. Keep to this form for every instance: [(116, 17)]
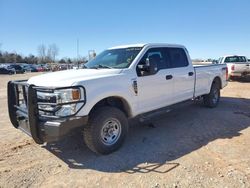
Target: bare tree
[(52, 52), (42, 52)]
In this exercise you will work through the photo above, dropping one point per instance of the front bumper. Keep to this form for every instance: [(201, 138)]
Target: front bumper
[(25, 114)]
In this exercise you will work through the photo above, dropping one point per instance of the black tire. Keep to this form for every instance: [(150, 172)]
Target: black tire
[(231, 78), (97, 132), (212, 99)]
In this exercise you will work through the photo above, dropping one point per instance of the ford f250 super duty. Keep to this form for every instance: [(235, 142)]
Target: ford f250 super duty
[(121, 83)]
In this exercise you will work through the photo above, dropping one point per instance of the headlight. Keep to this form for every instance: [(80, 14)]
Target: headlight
[(62, 102), (68, 95)]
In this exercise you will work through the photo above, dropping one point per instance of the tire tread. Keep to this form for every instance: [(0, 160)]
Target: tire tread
[(95, 119)]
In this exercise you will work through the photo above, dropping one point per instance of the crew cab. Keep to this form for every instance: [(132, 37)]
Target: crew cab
[(121, 83), (238, 66)]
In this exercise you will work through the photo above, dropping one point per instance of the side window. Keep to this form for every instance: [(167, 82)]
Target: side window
[(220, 60), (178, 57), (156, 55)]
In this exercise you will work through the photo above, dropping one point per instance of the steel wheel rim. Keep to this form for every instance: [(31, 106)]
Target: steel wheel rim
[(111, 131)]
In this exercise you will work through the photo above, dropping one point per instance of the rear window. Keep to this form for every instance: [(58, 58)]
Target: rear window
[(236, 59)]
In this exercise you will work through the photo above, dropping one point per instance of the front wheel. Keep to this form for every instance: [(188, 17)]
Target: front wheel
[(106, 130), (212, 99)]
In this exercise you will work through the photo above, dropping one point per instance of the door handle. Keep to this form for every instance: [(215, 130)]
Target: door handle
[(247, 65), (190, 73), (169, 77)]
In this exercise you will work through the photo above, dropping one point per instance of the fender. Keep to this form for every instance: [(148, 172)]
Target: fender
[(95, 95)]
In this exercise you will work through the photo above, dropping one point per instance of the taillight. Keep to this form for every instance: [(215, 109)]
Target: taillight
[(226, 73), (232, 67)]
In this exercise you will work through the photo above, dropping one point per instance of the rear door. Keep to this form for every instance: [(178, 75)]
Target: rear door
[(183, 74)]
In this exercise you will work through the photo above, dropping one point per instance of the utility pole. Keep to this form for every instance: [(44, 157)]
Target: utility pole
[(92, 54), (77, 47)]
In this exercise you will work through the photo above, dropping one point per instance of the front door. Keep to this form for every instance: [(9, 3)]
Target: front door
[(155, 91)]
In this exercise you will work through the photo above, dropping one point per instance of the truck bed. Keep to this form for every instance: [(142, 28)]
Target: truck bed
[(203, 72)]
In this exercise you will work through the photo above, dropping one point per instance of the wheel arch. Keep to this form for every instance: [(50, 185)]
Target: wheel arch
[(217, 80), (114, 101)]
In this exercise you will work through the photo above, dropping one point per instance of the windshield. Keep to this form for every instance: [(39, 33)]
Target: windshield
[(114, 58)]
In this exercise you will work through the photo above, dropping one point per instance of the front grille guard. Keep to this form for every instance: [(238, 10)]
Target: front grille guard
[(23, 98)]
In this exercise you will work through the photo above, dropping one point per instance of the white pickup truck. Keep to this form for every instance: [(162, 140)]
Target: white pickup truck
[(121, 83), (238, 66)]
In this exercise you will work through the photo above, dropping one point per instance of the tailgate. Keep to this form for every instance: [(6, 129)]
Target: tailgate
[(241, 68)]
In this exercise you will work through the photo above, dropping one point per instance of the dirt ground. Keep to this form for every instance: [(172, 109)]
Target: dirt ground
[(190, 147)]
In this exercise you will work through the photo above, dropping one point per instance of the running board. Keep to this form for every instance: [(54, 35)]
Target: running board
[(149, 116)]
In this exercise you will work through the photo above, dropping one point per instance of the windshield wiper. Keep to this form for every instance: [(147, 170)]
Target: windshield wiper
[(84, 67), (103, 66)]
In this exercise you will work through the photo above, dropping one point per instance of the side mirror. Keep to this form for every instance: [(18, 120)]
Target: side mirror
[(152, 66), (149, 67)]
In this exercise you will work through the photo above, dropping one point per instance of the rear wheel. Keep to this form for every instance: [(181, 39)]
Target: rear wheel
[(231, 78), (212, 99), (106, 130)]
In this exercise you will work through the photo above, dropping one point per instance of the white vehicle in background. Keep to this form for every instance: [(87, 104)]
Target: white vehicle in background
[(238, 66), (124, 82)]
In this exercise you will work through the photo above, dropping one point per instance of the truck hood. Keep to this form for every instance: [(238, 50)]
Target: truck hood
[(69, 77)]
